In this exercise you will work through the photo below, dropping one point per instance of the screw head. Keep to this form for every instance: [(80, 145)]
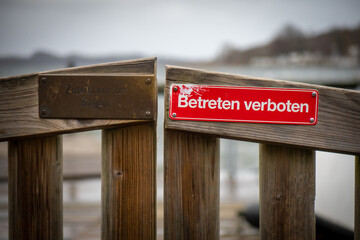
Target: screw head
[(147, 81), (44, 80), (147, 114), (312, 120), (313, 94), (173, 115), (175, 89), (43, 111)]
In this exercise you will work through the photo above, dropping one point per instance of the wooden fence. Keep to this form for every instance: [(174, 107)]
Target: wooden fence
[(287, 161), (35, 156), (191, 194)]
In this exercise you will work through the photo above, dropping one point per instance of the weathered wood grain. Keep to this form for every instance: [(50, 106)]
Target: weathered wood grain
[(191, 187), (357, 199), (129, 183), (35, 189), (19, 114), (338, 124), (287, 193)]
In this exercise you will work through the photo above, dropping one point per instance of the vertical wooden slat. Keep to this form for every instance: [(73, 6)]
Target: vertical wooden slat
[(357, 198), (191, 196), (287, 193), (129, 183), (35, 189)]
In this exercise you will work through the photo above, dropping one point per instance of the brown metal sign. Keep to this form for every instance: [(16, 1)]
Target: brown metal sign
[(97, 96)]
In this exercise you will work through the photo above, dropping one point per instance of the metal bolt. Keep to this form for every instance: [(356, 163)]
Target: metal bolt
[(175, 89), (44, 80), (148, 81), (147, 113), (313, 94), (174, 115), (43, 111), (312, 120)]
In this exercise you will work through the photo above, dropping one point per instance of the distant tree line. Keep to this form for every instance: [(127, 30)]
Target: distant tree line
[(292, 39)]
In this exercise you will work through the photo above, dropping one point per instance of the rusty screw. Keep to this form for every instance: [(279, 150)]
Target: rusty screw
[(147, 113), (148, 81), (43, 111), (44, 80)]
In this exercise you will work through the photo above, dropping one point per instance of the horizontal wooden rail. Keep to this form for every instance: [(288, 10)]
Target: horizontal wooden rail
[(337, 129), (19, 114)]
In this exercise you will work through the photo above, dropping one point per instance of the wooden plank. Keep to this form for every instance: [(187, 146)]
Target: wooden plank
[(357, 199), (19, 114), (35, 189), (191, 187), (129, 183), (287, 193), (338, 119)]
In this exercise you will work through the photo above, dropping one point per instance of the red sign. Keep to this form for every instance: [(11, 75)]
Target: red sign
[(243, 104)]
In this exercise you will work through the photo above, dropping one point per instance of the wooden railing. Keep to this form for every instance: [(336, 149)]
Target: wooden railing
[(191, 195), (287, 161), (35, 158)]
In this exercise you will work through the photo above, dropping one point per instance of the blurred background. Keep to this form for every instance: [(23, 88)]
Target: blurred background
[(307, 41)]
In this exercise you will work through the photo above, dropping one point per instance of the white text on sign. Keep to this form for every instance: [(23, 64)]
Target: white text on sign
[(269, 105)]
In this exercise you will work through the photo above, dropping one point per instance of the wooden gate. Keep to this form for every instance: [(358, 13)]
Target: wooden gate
[(33, 123), (287, 160)]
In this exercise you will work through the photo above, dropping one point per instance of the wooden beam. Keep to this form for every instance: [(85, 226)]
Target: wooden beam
[(357, 198), (338, 119), (287, 193), (19, 114), (191, 187), (129, 183), (35, 189)]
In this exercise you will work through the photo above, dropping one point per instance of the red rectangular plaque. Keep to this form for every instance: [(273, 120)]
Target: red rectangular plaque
[(243, 104)]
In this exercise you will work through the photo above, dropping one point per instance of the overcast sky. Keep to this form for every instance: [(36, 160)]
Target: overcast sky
[(187, 29)]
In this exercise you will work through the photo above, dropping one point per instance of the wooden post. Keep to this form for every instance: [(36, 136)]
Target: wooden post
[(357, 198), (129, 182), (35, 189), (191, 191), (287, 193)]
